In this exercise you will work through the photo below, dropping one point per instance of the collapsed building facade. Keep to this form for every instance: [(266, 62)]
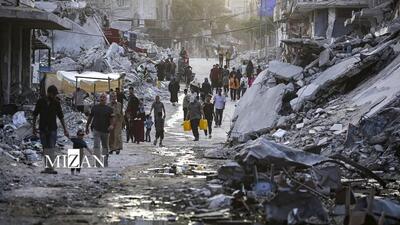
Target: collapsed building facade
[(18, 19), (314, 19)]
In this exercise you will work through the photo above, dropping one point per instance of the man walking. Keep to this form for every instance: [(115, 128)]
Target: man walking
[(195, 114), (219, 103), (49, 108), (158, 106), (103, 122), (185, 104)]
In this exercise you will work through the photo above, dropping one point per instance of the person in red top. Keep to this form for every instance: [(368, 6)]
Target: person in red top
[(214, 77)]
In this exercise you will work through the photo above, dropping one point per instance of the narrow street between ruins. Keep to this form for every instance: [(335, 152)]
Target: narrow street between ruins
[(143, 183)]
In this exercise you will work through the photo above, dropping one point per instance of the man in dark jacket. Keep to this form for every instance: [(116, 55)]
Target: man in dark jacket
[(205, 89), (48, 109), (214, 76)]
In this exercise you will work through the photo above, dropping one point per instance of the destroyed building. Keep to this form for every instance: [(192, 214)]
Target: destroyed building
[(314, 19), (18, 21)]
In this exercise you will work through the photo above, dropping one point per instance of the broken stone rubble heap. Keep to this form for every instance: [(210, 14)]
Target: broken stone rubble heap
[(283, 185)]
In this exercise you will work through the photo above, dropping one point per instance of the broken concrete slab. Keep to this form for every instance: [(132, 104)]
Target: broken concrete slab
[(336, 127), (324, 57), (231, 171), (219, 201), (279, 133), (263, 152), (379, 91), (262, 104), (346, 68), (284, 71)]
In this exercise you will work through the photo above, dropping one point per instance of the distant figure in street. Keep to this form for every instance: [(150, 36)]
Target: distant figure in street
[(160, 70), (220, 74), (244, 84), (195, 114), (249, 69), (116, 133), (242, 68), (78, 98), (103, 122), (214, 76), (208, 109), (185, 104), (131, 112), (138, 123), (173, 89), (158, 106), (159, 124), (205, 89), (220, 55), (228, 56), (259, 70), (79, 143), (251, 80), (148, 123), (238, 77), (225, 80), (233, 87), (120, 96), (207, 54), (172, 68), (188, 75), (219, 103), (48, 108)]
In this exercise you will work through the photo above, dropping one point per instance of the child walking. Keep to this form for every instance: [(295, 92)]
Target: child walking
[(159, 124), (148, 123), (79, 143)]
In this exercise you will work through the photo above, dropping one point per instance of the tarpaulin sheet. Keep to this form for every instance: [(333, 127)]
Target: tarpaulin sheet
[(66, 81)]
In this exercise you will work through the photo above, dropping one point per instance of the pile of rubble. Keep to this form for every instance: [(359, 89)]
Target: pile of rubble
[(315, 141)]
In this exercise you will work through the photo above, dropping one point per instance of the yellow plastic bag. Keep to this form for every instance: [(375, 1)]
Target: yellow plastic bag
[(186, 125), (203, 124)]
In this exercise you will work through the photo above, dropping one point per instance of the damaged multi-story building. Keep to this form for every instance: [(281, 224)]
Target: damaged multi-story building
[(151, 16), (18, 20), (320, 19)]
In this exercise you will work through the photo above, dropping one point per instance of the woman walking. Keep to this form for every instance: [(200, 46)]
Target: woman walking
[(173, 88), (208, 109), (232, 87), (115, 141), (138, 123)]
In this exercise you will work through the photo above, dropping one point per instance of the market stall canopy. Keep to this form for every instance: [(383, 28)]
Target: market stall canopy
[(66, 81)]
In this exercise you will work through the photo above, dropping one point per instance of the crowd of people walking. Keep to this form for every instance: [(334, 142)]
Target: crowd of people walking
[(202, 106)]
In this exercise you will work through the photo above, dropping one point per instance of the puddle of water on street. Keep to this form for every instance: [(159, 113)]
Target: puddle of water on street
[(132, 209)]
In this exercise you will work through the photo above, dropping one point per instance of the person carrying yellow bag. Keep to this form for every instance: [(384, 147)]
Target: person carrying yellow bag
[(195, 113), (186, 125), (209, 114)]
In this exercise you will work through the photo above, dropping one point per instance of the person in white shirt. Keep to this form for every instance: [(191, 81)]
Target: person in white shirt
[(243, 68), (219, 104), (244, 84)]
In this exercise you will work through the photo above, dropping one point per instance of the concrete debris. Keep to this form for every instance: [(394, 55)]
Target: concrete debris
[(262, 152), (295, 208), (284, 71), (279, 133), (219, 201), (256, 104)]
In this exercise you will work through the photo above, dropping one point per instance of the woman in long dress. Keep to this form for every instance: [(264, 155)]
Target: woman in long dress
[(115, 140), (138, 124)]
